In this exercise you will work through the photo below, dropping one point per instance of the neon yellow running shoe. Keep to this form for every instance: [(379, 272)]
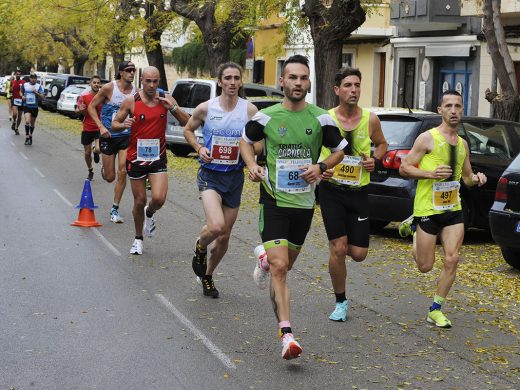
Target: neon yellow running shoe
[(405, 227), (436, 317)]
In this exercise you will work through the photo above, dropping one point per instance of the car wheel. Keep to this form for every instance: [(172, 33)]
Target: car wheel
[(511, 256), (377, 226), (181, 150)]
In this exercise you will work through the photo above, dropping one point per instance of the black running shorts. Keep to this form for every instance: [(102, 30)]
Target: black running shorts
[(112, 145), (136, 171), (284, 226), (87, 137), (345, 212), (31, 110), (433, 224)]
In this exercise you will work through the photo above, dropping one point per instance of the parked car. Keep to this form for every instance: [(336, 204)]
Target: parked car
[(493, 144), (504, 216), (58, 83), (189, 93), (68, 100), (3, 85)]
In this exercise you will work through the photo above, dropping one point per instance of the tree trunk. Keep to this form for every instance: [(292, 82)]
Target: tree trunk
[(327, 60), (218, 49), (101, 67), (155, 58), (79, 64), (505, 107)]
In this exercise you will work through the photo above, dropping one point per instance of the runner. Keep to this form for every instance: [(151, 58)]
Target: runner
[(344, 198), (221, 175), (438, 160), (294, 133), (8, 97), (16, 101), (111, 95), (90, 131), (30, 93), (146, 114)]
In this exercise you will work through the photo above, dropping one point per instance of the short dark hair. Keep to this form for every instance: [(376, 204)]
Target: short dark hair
[(345, 72), (95, 77), (33, 76), (449, 92), (295, 59)]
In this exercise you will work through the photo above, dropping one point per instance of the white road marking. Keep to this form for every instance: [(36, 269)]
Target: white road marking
[(106, 242), (12, 143), (63, 198), (209, 345), (23, 155), (38, 172)]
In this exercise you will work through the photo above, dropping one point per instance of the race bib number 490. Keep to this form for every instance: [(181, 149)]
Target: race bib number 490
[(148, 150), (225, 150), (445, 195), (288, 176), (17, 102), (348, 171)]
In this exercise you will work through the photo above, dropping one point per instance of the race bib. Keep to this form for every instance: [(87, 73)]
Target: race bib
[(348, 171), (30, 99), (17, 102), (225, 150), (288, 176), (148, 149), (445, 195)]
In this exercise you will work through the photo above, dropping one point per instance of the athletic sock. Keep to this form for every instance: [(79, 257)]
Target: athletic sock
[(199, 247), (148, 214), (285, 330), (139, 238), (31, 129), (437, 303), (115, 206), (340, 297), (27, 130), (285, 327)]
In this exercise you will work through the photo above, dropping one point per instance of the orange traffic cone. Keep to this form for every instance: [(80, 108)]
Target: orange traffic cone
[(86, 217)]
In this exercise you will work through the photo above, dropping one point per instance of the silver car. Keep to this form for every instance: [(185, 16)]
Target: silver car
[(68, 101)]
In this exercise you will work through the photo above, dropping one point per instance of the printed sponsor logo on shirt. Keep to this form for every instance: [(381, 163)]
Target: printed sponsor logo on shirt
[(293, 151), (308, 131), (282, 130), (215, 118), (142, 117)]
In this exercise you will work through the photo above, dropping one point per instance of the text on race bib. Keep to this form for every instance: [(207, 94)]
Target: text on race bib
[(148, 149), (445, 195), (348, 171), (288, 176), (225, 150)]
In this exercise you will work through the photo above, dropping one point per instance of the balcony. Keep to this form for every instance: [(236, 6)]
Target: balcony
[(427, 15)]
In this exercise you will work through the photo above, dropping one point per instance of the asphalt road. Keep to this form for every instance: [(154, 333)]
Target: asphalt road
[(77, 311)]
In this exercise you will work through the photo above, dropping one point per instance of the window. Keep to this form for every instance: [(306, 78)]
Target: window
[(252, 92), (347, 59), (488, 139)]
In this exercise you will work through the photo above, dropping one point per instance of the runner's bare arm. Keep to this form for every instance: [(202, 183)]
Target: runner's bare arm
[(422, 145), (171, 105), (378, 139), (470, 178), (196, 120), (125, 115), (313, 172), (99, 98)]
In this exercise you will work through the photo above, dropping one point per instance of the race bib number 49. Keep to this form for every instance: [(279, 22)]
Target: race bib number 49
[(348, 171), (445, 195), (225, 150), (148, 150), (288, 176)]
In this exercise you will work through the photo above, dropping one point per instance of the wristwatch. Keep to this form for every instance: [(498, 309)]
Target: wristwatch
[(323, 167), (173, 109)]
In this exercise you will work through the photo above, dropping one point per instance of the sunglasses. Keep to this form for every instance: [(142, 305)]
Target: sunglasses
[(129, 70)]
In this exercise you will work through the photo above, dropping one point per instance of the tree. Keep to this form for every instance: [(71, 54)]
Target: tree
[(505, 105), (331, 22)]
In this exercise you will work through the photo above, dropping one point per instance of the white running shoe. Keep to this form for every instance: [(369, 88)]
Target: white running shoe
[(115, 217), (149, 224), (291, 348), (137, 247), (261, 271)]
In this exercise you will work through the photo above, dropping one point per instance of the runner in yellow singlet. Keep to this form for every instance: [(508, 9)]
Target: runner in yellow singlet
[(439, 159)]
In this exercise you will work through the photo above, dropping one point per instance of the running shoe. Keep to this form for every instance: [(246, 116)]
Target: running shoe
[(13, 125), (30, 140), (291, 349), (199, 262), (439, 319), (90, 174), (115, 217), (340, 312), (26, 141), (149, 224), (406, 227), (261, 271), (137, 247), (96, 157), (208, 287), (16, 132)]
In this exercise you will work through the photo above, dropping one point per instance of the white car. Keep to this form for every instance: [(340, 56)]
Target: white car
[(68, 100), (3, 85)]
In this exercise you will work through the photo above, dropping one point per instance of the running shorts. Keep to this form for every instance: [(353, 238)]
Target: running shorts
[(136, 171), (227, 184), (87, 137), (31, 110), (345, 212), (433, 224), (110, 146)]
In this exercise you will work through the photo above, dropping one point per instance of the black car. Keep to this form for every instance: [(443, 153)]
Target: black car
[(58, 83), (493, 145), (504, 216)]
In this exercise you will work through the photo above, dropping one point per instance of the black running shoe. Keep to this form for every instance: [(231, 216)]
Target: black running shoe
[(200, 261), (90, 175), (96, 157), (16, 132), (26, 141), (30, 140), (208, 287), (13, 125)]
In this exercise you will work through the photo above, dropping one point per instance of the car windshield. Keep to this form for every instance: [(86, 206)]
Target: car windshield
[(399, 131), (190, 95), (75, 89)]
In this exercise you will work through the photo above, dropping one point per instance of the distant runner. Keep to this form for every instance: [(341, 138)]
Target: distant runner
[(16, 101), (30, 93)]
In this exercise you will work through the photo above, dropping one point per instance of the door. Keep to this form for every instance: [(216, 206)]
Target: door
[(454, 75), (406, 82)]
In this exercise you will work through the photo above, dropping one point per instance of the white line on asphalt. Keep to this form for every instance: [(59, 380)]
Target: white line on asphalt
[(63, 198), (38, 172), (106, 242), (209, 345), (23, 155), (12, 143)]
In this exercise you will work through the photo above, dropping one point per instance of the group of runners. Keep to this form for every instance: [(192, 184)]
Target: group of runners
[(304, 146)]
